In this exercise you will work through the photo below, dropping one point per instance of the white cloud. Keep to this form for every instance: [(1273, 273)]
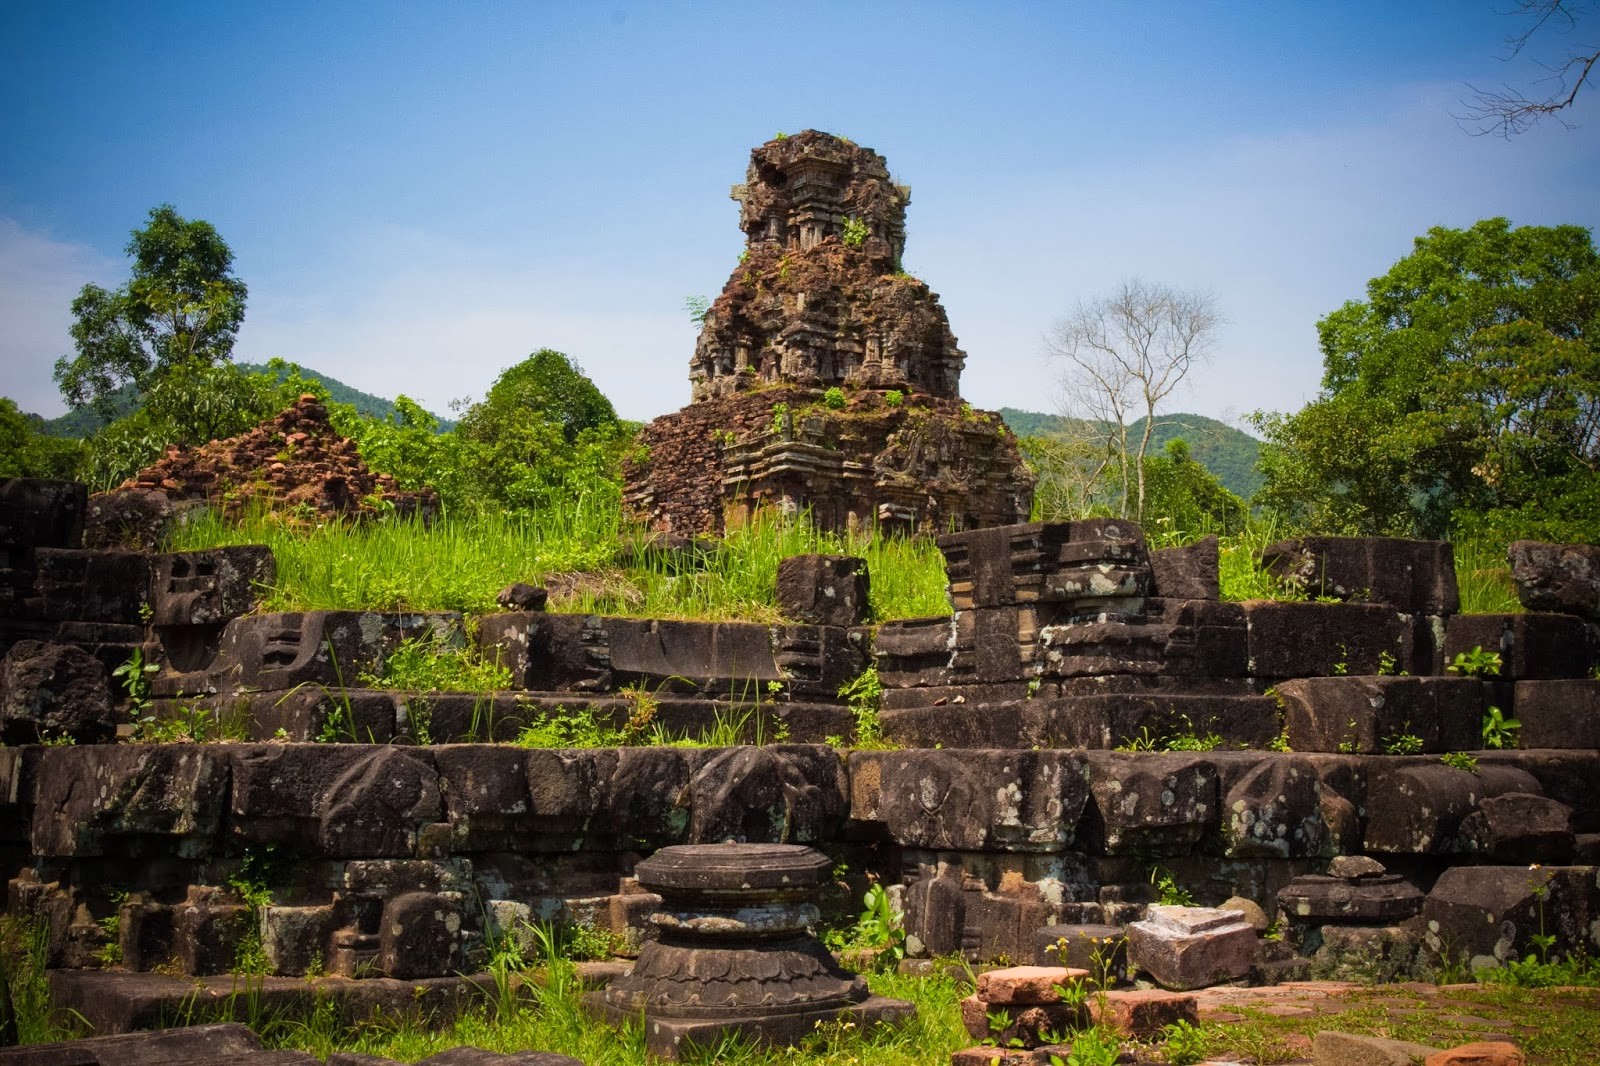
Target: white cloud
[(39, 276)]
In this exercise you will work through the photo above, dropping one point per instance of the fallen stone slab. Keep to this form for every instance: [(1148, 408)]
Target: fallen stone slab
[(1184, 948), (1413, 576), (54, 692), (1026, 984), (222, 1042), (1143, 1013), (1480, 1053), (1333, 1048)]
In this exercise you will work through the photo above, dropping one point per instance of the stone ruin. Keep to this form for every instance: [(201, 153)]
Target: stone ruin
[(819, 301), (1054, 756), (294, 462)]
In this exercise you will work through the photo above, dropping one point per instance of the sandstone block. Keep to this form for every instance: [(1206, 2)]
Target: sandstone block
[(1558, 714), (1333, 1048), (981, 800), (1152, 803), (1026, 984), (1479, 1053), (1532, 647), (824, 590), (1370, 715), (1486, 915), (54, 691), (521, 596), (1557, 577), (1093, 947), (41, 513), (1517, 827), (1141, 1014), (1191, 572), (420, 935), (1325, 639), (1418, 807), (1185, 948), (204, 588), (1412, 576)]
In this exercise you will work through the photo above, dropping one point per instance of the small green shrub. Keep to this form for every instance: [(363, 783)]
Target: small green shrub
[(431, 663), (855, 232), (1476, 663), (833, 399), (894, 397), (1460, 760), (1498, 730)]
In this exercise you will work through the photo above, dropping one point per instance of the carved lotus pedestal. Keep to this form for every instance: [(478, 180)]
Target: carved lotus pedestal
[(735, 956)]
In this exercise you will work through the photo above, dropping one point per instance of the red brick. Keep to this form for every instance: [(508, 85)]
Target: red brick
[(1482, 1053), (1143, 1013), (1026, 984)]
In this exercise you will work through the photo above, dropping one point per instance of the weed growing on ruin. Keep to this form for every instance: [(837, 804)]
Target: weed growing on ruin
[(1170, 892), (1402, 743), (1189, 738), (855, 232), (24, 956), (433, 663), (1092, 1047), (1498, 730), (135, 675), (864, 693), (110, 953), (880, 930), (894, 397), (1460, 760), (1476, 663), (1184, 1044), (833, 399)]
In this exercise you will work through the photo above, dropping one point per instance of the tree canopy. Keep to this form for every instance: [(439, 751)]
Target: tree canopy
[(1464, 390), (180, 306)]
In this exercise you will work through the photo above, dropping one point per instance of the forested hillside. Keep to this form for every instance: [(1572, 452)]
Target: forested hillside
[(1227, 452)]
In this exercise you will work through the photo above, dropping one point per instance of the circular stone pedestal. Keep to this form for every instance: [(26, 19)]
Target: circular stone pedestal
[(734, 954)]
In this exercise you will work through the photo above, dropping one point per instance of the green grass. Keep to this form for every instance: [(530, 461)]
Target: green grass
[(461, 563)]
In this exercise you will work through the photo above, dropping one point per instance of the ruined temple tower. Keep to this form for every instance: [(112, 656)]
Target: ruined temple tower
[(825, 377)]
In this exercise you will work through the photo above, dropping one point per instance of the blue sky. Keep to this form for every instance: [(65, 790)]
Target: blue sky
[(418, 195)]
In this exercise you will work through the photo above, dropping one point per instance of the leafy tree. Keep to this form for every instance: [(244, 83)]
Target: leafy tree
[(1464, 390), (26, 451), (1187, 498), (180, 306), (544, 434)]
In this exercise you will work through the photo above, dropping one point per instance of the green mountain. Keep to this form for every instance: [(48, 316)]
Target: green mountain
[(1227, 452), (86, 423)]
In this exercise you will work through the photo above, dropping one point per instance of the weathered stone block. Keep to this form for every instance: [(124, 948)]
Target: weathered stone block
[(1557, 577), (1093, 947), (1142, 1014), (520, 596), (549, 651), (1532, 647), (1153, 803), (977, 800), (1007, 565), (1273, 810), (1412, 576), (1019, 1025), (646, 800), (1334, 1048), (295, 939), (824, 590), (1026, 984), (1486, 915), (1315, 899), (1516, 827), (784, 794), (1372, 715), (420, 935), (208, 587), (1417, 807), (1184, 948), (1192, 572), (41, 513), (1479, 1053), (486, 796), (354, 801), (134, 800), (92, 586), (1119, 719), (54, 692), (1325, 639), (712, 658), (1558, 714), (915, 652)]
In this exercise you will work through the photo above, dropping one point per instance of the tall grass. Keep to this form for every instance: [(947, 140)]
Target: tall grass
[(1484, 578), (461, 562), (540, 1009)]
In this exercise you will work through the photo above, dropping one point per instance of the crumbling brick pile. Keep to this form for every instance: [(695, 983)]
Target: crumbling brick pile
[(295, 462), (819, 302), (1089, 726)]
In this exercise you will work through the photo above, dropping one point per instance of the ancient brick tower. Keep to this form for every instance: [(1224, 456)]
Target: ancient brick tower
[(819, 303)]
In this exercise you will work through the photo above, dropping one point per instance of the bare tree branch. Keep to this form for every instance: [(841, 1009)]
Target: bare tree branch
[(1509, 111), (1123, 355)]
